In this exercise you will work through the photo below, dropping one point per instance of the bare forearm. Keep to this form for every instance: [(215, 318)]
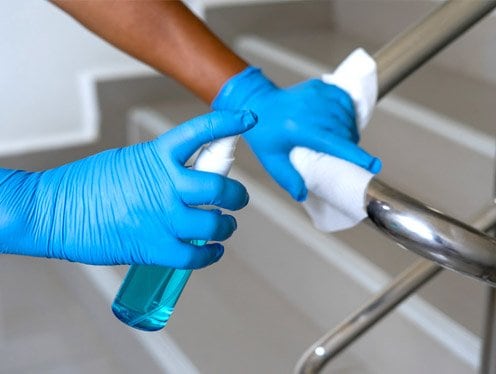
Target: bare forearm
[(164, 35)]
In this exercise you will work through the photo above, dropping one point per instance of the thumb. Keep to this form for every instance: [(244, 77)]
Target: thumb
[(182, 141)]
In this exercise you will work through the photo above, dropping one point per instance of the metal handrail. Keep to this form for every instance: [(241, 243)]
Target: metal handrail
[(431, 234), (395, 62), (427, 232), (399, 58), (400, 288)]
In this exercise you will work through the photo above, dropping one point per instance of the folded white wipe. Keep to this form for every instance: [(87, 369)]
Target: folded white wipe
[(336, 198)]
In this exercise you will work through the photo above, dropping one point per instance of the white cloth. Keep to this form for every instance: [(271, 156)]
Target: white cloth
[(218, 156), (336, 198)]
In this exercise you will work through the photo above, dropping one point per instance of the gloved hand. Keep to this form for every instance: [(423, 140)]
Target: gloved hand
[(131, 205), (311, 114)]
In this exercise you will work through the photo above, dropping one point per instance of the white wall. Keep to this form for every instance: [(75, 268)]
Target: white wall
[(43, 53)]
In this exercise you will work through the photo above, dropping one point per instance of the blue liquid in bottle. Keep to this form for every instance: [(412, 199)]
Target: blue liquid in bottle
[(149, 294)]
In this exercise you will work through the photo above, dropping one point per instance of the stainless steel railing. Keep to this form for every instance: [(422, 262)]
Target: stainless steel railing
[(395, 62), (412, 224), (400, 288), (431, 234), (417, 44)]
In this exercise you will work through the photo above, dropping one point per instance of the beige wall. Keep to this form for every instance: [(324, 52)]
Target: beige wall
[(377, 21)]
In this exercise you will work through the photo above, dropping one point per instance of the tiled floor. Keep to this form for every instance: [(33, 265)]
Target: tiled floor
[(43, 327)]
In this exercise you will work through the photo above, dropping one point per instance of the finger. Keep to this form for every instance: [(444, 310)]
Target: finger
[(336, 104), (185, 139), (339, 127), (340, 98), (283, 172), (205, 225), (189, 256), (332, 116), (342, 148), (202, 188), (337, 96)]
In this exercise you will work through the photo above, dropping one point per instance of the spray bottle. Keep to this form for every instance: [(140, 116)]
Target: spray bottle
[(148, 294)]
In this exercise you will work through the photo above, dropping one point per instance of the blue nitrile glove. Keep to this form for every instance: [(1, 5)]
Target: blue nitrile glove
[(311, 114), (131, 205)]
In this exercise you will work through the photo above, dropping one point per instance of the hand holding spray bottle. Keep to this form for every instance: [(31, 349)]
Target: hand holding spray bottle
[(149, 294)]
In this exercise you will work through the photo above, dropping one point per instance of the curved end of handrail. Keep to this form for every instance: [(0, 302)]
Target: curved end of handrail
[(312, 360), (430, 233)]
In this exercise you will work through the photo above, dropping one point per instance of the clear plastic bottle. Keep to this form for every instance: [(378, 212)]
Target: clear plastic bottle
[(148, 294)]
